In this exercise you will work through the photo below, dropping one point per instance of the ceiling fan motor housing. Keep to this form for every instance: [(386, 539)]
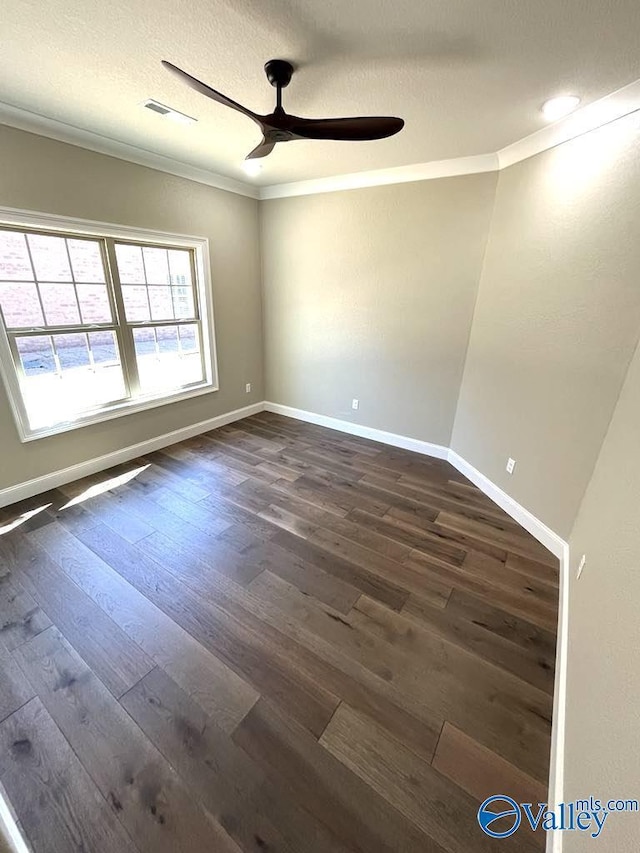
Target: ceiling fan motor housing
[(279, 72)]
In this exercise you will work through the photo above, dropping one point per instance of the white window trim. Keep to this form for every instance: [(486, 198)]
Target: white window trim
[(91, 228)]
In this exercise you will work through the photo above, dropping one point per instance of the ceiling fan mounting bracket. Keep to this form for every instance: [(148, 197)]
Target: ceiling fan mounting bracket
[(278, 72)]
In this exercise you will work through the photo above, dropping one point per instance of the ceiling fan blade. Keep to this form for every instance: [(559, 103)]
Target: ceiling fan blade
[(355, 129), (261, 150), (201, 87)]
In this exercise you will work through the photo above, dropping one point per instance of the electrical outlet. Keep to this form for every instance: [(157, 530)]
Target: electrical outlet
[(355, 404), (511, 464), (247, 388), (581, 566)]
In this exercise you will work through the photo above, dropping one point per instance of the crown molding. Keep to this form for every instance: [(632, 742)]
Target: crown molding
[(590, 117), (380, 177), (63, 132)]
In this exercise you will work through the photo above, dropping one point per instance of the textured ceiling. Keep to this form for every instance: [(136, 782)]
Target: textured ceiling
[(468, 77)]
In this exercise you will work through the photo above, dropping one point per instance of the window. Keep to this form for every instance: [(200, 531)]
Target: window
[(99, 324)]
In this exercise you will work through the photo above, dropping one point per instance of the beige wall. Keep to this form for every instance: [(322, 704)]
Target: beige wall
[(602, 743), (556, 321), (369, 294), (43, 175)]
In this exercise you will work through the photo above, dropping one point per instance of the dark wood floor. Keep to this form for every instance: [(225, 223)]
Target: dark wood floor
[(272, 637)]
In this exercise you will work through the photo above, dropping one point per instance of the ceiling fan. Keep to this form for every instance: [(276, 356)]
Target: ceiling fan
[(279, 126)]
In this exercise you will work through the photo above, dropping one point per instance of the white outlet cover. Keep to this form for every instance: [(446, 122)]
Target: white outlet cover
[(581, 566), (511, 464), (247, 388), (355, 403)]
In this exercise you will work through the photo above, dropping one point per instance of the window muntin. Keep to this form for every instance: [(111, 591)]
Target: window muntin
[(95, 324)]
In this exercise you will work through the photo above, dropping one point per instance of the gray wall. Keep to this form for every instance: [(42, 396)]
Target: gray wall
[(43, 175), (369, 293), (602, 743), (556, 322)]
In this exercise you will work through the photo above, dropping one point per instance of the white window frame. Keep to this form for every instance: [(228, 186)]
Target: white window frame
[(89, 228)]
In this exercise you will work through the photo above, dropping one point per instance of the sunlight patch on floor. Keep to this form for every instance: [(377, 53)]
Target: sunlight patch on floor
[(105, 486)]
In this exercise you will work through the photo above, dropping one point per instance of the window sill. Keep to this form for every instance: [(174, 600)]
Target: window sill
[(119, 410)]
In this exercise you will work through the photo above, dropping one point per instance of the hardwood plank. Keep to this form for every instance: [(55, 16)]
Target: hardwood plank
[(413, 538), (243, 649), (103, 507), (196, 515), (518, 603), (303, 519), (209, 462), (310, 580), (58, 805), (343, 674), (534, 570), (342, 632), (533, 666), (117, 661), (414, 519), (222, 694), (518, 630), (142, 788), (219, 773), (502, 710), (324, 786), (162, 475), (482, 773), (192, 559), (442, 811), (543, 596), (409, 576), (234, 514), (282, 518), (517, 542), (20, 615), (367, 582), (15, 689)]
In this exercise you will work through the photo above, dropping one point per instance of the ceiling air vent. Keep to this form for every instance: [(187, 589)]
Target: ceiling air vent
[(169, 112)]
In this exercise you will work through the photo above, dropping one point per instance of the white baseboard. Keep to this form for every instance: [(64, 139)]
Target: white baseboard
[(29, 488), (547, 537), (559, 717), (392, 438)]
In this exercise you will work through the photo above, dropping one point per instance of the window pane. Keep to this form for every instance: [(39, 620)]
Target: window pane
[(83, 384), (104, 347), (130, 264), (180, 267), (168, 366), (60, 306), (136, 304), (86, 260), (161, 304), (145, 341), (14, 258), (50, 258), (36, 355), (20, 305), (72, 351), (156, 265), (94, 303), (183, 302), (167, 337), (188, 338)]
